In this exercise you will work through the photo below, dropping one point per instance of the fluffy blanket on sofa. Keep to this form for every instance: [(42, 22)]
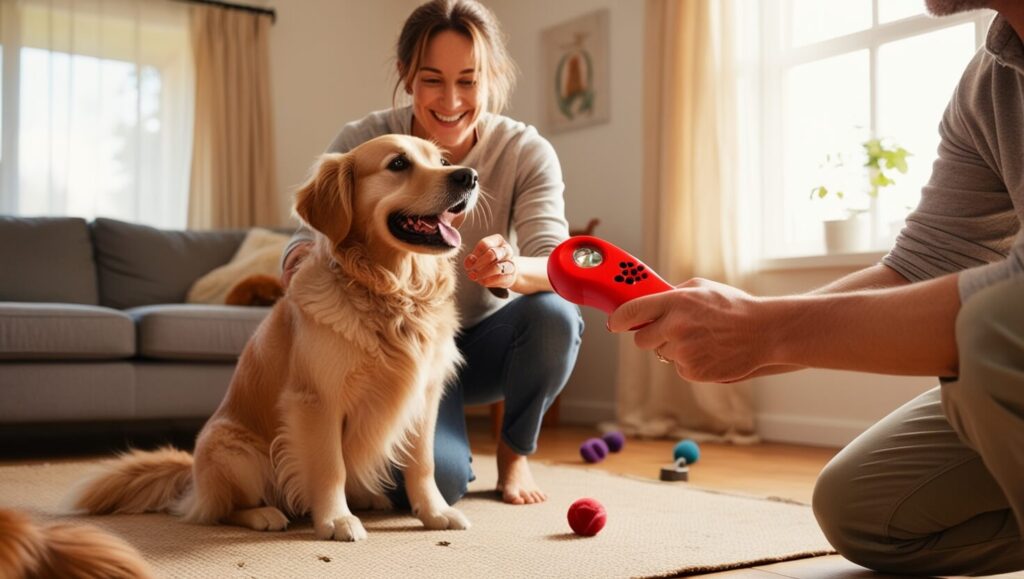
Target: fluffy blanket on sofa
[(257, 262)]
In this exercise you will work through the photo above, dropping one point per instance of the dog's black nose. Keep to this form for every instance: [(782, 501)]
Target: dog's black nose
[(464, 178)]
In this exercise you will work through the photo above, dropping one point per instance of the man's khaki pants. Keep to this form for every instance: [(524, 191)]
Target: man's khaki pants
[(937, 487)]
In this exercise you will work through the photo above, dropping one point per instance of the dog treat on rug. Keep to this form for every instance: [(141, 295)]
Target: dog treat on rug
[(594, 450), (587, 517), (615, 441)]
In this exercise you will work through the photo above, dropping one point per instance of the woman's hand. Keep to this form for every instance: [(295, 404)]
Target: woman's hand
[(710, 331), (292, 261), (492, 263)]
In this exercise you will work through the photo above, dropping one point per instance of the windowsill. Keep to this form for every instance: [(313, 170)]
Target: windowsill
[(831, 261)]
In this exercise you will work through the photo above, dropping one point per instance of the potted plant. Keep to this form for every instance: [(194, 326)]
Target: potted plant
[(850, 233)]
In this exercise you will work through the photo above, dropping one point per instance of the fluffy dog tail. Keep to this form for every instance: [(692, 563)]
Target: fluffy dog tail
[(30, 550), (137, 482)]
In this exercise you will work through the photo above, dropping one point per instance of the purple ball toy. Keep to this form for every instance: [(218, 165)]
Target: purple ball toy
[(594, 450), (615, 440)]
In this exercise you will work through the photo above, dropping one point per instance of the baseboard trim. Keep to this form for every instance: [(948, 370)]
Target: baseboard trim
[(587, 412), (809, 430)]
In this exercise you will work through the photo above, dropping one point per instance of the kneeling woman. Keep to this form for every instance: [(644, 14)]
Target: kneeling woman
[(453, 62)]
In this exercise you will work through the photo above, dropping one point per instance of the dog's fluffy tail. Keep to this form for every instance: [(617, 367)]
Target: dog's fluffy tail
[(137, 482), (60, 550)]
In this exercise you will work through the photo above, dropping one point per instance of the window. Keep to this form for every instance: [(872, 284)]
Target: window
[(823, 77), (97, 109)]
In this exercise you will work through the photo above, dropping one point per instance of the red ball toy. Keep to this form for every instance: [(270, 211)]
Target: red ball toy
[(587, 517)]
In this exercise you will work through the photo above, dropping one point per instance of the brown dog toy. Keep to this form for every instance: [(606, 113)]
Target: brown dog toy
[(255, 290)]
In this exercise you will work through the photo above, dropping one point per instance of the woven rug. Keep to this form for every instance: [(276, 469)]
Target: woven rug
[(655, 529)]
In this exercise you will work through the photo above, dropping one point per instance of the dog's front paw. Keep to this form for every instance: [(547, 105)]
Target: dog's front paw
[(346, 528), (446, 518)]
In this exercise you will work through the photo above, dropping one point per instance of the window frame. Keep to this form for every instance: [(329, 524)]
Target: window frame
[(777, 57)]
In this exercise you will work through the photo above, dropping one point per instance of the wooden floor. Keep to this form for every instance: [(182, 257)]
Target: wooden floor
[(779, 470)]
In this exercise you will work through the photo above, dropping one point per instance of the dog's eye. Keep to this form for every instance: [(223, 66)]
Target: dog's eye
[(445, 162), (399, 163)]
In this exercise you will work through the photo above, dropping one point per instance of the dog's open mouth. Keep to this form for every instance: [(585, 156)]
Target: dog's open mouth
[(432, 230)]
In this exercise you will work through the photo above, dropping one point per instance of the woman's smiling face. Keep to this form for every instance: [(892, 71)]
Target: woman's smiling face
[(446, 92)]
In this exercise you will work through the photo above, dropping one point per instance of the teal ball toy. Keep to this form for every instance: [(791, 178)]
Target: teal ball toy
[(687, 449)]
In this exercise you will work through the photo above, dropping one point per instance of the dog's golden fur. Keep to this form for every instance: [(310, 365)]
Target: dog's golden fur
[(344, 376), (30, 550)]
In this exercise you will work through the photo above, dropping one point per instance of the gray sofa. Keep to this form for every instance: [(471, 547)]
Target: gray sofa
[(93, 326)]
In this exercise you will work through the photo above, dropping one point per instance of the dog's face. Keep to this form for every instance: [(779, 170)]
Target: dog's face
[(394, 190)]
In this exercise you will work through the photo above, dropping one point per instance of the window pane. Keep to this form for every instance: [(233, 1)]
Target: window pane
[(827, 109), (814, 20), (890, 10), (910, 107), (105, 113)]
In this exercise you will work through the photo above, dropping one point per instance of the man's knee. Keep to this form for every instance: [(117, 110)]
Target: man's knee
[(847, 510), (848, 528), (831, 505)]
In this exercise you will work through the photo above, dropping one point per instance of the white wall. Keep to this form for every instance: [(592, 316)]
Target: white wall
[(331, 63)]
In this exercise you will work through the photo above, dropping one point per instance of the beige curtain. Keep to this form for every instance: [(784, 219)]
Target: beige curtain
[(689, 210), (233, 175)]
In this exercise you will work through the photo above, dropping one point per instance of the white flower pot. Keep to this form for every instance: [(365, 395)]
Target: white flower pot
[(850, 235)]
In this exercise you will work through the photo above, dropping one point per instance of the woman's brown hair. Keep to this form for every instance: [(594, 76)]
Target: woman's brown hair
[(496, 70)]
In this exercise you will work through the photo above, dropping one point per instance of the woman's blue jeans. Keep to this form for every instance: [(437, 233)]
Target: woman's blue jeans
[(522, 354)]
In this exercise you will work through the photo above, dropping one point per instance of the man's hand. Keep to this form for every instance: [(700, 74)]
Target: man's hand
[(710, 331), (292, 261)]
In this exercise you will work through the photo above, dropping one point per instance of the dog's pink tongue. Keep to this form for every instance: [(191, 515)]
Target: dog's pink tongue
[(448, 233)]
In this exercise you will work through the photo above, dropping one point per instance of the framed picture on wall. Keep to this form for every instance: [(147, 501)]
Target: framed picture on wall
[(576, 88)]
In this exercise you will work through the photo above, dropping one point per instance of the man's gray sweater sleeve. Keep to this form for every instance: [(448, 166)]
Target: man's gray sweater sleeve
[(965, 220)]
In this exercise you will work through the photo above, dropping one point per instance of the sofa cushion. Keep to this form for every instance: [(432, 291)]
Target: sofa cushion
[(67, 392), (195, 332), (46, 259), (36, 331), (140, 265)]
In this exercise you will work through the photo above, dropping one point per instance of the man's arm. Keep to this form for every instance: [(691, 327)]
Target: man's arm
[(717, 333), (909, 329), (874, 277)]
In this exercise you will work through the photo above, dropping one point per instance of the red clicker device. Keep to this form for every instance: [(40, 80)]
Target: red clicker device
[(589, 271)]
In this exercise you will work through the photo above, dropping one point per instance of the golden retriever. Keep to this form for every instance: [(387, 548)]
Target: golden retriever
[(343, 379)]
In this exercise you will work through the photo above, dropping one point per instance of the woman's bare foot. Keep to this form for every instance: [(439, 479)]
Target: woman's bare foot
[(515, 481)]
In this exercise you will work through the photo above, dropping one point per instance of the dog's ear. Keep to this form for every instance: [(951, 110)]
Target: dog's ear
[(325, 201)]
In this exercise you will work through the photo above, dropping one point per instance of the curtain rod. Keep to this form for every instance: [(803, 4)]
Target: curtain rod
[(231, 6)]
